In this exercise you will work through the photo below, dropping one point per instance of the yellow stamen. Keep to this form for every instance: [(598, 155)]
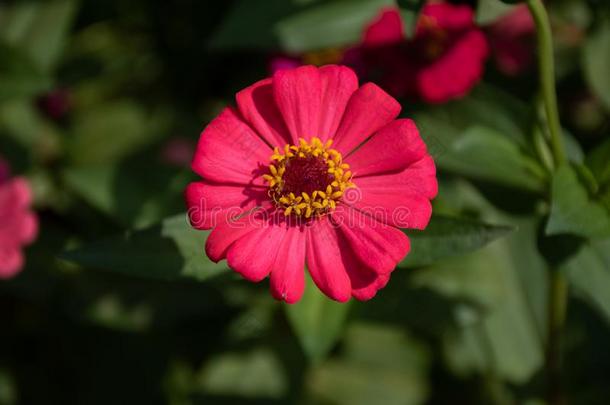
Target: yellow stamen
[(302, 203)]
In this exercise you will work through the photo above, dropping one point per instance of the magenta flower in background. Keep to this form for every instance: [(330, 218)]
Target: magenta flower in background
[(311, 168), (18, 224), (56, 104), (512, 39), (443, 61), (178, 151)]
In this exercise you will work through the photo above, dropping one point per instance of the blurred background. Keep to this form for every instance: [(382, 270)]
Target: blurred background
[(101, 106)]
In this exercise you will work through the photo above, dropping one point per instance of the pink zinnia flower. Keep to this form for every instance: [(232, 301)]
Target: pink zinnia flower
[(18, 224), (311, 168), (443, 61), (512, 41)]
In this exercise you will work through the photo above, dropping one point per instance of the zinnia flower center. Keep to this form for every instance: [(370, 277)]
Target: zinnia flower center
[(309, 179), (433, 40)]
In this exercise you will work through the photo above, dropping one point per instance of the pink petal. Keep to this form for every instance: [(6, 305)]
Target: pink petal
[(227, 232), (369, 109), (209, 203), (15, 194), (325, 261), (364, 281), (394, 147), (338, 85), (28, 229), (511, 38), (253, 255), (297, 93), (18, 225), (378, 246), (386, 29), (365, 287), (229, 151), (5, 170), (11, 262), (455, 73), (257, 106), (400, 199), (288, 272)]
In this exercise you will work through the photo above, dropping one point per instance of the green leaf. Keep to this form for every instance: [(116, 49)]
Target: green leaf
[(127, 193), (483, 153), (19, 77), (249, 24), (20, 119), (172, 250), (38, 28), (488, 11), (497, 295), (598, 161), (488, 127), (573, 209), (596, 59), (589, 273), (111, 132), (379, 364), (95, 185), (8, 389), (574, 150), (257, 373), (329, 25), (446, 237), (409, 11), (485, 106), (497, 315), (317, 321)]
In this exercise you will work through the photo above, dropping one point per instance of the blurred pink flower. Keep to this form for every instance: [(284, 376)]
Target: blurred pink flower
[(178, 151), (55, 104), (5, 171), (18, 224), (312, 168), (512, 41), (443, 61)]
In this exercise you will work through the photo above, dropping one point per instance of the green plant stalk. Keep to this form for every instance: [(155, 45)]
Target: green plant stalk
[(558, 301), (558, 289), (546, 72)]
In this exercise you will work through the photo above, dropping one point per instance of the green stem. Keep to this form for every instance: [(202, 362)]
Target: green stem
[(558, 289), (546, 69), (558, 300)]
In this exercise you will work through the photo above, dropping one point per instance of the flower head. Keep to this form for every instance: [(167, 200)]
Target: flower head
[(311, 169), (512, 41), (18, 224), (443, 60)]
